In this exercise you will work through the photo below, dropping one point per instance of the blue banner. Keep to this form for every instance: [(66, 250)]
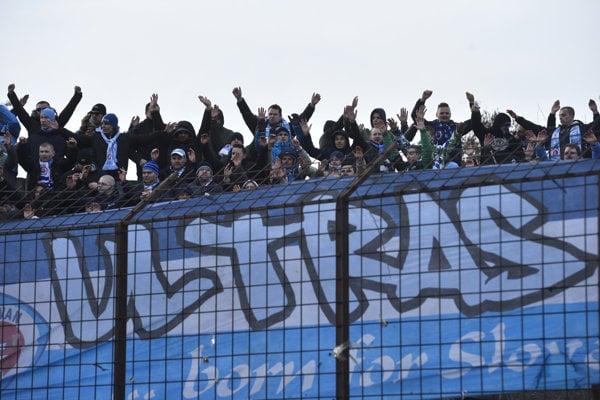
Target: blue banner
[(471, 288)]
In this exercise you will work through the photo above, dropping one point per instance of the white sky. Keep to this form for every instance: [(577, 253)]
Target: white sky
[(518, 54)]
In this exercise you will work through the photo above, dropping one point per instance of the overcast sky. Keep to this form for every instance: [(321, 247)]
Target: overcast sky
[(517, 54)]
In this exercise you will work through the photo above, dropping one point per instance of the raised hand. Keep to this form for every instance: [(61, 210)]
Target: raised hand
[(590, 137), (262, 141), (403, 116), (215, 112), (154, 154), (204, 100), (470, 97), (512, 114), (305, 127), (420, 121), (77, 89), (488, 140), (237, 92), (262, 113), (555, 107), (296, 143), (135, 121), (426, 94), (316, 97), (349, 113), (393, 124), (593, 106), (11, 88), (354, 102), (171, 126), (153, 103), (542, 136)]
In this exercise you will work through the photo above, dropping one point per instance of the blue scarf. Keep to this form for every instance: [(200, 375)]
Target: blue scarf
[(574, 138), (111, 152), (443, 131)]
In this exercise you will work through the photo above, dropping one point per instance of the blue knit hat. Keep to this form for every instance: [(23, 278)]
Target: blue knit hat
[(112, 120), (151, 166), (49, 113)]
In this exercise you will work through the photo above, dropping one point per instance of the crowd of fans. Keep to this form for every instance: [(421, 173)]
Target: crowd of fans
[(69, 172)]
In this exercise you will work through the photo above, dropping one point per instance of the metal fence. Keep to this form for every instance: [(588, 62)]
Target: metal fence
[(472, 282)]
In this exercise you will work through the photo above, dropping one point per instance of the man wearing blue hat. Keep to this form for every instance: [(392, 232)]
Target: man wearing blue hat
[(112, 147)]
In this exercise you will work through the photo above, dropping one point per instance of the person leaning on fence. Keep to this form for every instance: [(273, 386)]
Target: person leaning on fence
[(184, 166), (134, 192), (204, 185), (109, 193)]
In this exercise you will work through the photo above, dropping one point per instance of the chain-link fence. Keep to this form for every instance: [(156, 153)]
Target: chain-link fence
[(470, 282)]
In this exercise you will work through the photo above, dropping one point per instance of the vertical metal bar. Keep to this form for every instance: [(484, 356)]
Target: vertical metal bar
[(121, 298), (342, 277), (342, 307), (120, 347)]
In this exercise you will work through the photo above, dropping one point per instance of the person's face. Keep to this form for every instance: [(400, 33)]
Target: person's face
[(71, 183), (148, 177), (236, 141), (105, 185), (570, 154), (177, 162), (443, 114), (412, 155), (45, 121), (565, 117), (376, 136), (335, 162), (93, 207), (204, 174), (96, 118), (377, 121), (107, 128), (339, 141), (282, 136), (237, 154), (249, 186), (274, 116), (38, 108), (347, 170), (46, 153), (287, 161)]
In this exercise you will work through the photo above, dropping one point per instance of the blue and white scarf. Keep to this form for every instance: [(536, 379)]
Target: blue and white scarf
[(111, 152), (574, 138), (45, 173)]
